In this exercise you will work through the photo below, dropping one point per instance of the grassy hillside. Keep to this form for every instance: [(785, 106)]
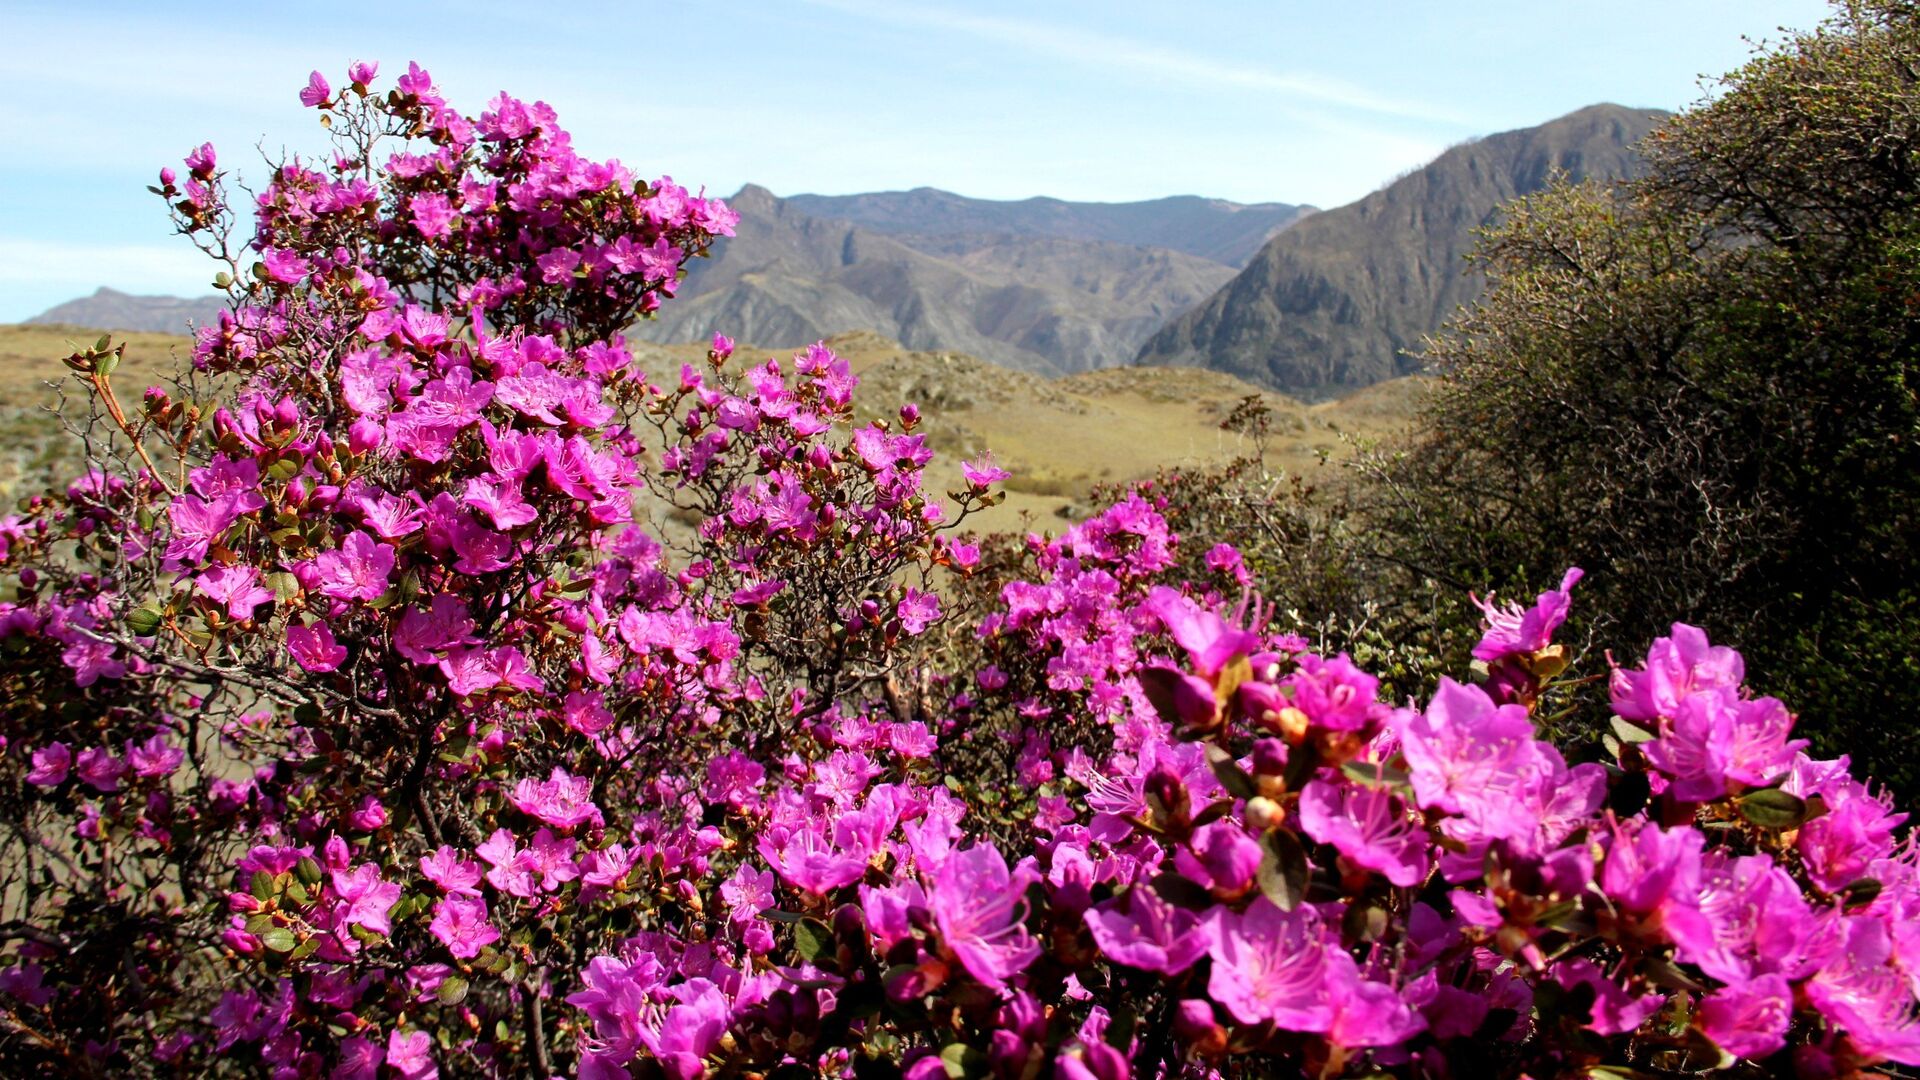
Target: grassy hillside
[(1058, 437)]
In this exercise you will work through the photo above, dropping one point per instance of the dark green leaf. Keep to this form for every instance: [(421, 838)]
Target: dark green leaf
[(279, 939), (452, 991), (963, 1061), (1629, 732), (1229, 773), (812, 938), (144, 621), (1771, 808), (1284, 870)]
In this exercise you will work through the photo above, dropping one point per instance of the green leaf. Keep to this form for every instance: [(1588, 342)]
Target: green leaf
[(1629, 732), (1861, 892), (812, 938), (262, 886), (1377, 775), (144, 621), (106, 364), (963, 1061), (1771, 808), (1229, 773), (1664, 974), (279, 939), (1284, 869), (452, 990), (284, 469), (1181, 891), (284, 585)]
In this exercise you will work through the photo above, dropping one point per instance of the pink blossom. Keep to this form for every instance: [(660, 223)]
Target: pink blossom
[(1512, 631), (918, 611), (316, 92), (410, 1053), (455, 876), (237, 588), (314, 648), (1370, 826), (1749, 1020), (358, 570), (99, 769), (367, 898), (50, 765), (562, 800), (979, 907), (461, 925), (1271, 965), (1140, 929)]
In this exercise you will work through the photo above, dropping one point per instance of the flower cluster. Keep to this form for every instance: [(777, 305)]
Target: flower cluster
[(419, 687)]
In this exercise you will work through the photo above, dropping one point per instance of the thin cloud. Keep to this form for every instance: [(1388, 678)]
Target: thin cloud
[(1108, 51)]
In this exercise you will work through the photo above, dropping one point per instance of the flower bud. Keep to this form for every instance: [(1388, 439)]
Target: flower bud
[(1263, 813), (1195, 1025)]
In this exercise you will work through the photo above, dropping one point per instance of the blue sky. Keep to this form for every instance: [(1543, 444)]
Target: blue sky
[(1251, 100)]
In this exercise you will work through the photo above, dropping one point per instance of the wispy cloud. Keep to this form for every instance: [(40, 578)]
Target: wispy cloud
[(1093, 48)]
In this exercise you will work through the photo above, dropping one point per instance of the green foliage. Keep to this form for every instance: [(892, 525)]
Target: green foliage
[(1701, 386)]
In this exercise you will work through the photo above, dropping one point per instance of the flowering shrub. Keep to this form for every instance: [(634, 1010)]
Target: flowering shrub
[(357, 728)]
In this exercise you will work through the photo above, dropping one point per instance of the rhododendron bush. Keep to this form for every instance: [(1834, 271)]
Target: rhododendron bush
[(359, 723)]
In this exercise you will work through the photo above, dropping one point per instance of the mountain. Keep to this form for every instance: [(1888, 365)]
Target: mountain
[(1330, 304), (1223, 232), (110, 309), (1049, 304)]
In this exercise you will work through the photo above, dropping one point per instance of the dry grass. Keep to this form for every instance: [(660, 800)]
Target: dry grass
[(1057, 437)]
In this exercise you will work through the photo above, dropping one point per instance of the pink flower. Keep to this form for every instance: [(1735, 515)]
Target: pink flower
[(99, 769), (1615, 1011), (979, 907), (1512, 631), (454, 875), (747, 893), (1206, 637), (1370, 826), (361, 73), (238, 588), (1271, 965), (366, 897), (50, 765), (461, 925), (918, 610), (1140, 929), (982, 474), (432, 215), (1469, 756), (201, 161), (157, 756), (358, 570), (410, 1053), (314, 648), (424, 636), (1749, 1020), (562, 800), (284, 266), (197, 525), (316, 92)]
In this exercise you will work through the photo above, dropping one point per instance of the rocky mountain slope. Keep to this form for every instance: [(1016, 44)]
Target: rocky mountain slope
[(1224, 232), (1332, 303), (1041, 303), (110, 309)]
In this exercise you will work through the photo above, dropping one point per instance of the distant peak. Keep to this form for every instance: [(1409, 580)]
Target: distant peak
[(753, 197)]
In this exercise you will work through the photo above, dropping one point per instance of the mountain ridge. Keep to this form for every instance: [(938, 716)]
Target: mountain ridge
[(1333, 303)]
